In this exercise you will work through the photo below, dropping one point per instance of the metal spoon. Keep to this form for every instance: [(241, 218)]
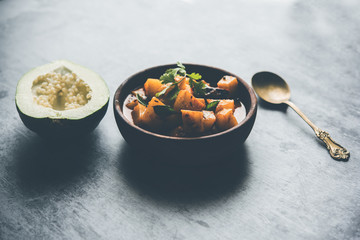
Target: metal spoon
[(273, 89)]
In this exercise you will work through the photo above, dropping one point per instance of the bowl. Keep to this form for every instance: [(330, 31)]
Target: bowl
[(185, 150)]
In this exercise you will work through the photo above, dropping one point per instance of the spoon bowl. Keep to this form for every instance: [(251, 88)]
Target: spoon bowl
[(271, 87)]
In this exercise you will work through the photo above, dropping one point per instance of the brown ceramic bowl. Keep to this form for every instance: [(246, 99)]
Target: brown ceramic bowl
[(185, 150)]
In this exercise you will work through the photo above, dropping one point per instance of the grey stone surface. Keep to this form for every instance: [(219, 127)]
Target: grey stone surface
[(281, 184)]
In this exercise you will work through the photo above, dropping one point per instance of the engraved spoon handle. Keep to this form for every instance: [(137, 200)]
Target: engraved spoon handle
[(336, 151)]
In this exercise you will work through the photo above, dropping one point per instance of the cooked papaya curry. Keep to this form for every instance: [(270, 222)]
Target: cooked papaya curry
[(183, 104)]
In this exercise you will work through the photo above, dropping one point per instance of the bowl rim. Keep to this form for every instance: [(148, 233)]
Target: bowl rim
[(250, 113)]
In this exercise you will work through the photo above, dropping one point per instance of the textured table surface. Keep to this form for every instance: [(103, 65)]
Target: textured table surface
[(281, 184)]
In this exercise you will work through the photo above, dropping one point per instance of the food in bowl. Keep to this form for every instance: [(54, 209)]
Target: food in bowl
[(196, 150), (182, 104)]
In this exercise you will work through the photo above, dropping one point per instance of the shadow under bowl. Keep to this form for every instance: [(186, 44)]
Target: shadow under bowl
[(185, 150)]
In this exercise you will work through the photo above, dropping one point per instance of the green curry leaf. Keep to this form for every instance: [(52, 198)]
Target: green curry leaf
[(141, 100), (162, 92), (163, 110), (172, 95), (212, 106)]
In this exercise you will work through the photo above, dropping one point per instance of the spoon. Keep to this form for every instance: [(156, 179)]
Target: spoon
[(273, 89)]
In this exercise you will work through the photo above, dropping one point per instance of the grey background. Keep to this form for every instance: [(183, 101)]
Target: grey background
[(281, 184)]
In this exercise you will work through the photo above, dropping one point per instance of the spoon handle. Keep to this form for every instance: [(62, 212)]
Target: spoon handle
[(336, 151)]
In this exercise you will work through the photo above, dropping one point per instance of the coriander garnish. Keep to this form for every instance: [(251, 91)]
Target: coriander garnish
[(169, 77)]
